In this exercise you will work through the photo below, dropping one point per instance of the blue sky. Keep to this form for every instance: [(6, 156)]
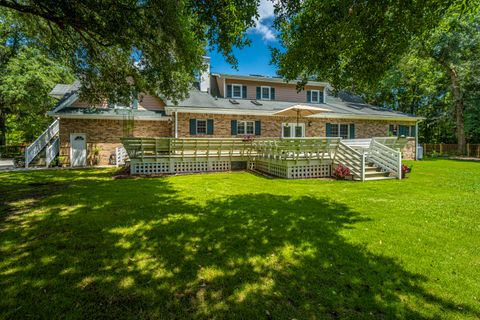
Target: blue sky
[(254, 59)]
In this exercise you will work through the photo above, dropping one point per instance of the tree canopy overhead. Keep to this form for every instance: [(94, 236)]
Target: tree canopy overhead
[(351, 42), (122, 47)]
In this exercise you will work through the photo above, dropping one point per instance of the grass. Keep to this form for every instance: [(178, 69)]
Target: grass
[(78, 244)]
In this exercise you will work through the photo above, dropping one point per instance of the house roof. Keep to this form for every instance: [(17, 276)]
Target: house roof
[(61, 90), (108, 113), (202, 102), (260, 78)]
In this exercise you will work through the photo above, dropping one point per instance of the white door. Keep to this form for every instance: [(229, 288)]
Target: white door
[(293, 130), (78, 150)]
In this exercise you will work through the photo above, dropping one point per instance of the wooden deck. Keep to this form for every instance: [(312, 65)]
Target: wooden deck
[(291, 158)]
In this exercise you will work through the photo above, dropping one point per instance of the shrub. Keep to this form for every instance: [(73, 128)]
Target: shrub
[(341, 172)]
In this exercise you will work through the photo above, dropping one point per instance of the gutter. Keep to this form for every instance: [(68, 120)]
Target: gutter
[(257, 112), (105, 117)]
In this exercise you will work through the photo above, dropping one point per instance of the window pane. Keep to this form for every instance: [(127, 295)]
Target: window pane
[(344, 131), (201, 126), (335, 130), (265, 93), (298, 131), (237, 91), (250, 127), (286, 131), (314, 96), (241, 127)]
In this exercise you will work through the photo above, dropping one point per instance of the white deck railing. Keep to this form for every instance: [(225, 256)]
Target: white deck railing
[(352, 159), (385, 158), (34, 149)]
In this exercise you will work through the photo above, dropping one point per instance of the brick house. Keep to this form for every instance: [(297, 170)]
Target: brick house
[(222, 105)]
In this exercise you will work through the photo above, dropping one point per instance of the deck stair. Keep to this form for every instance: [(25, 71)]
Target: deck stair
[(45, 148)]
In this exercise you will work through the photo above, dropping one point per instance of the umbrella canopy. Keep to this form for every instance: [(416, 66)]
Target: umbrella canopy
[(300, 110)]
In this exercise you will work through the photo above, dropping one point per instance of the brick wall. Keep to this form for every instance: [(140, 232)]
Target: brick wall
[(106, 134), (271, 126)]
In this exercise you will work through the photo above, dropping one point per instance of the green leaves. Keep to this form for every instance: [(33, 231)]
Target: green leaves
[(121, 47)]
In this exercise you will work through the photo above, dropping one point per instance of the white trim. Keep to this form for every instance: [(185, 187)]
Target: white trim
[(292, 125), (67, 102), (339, 135), (416, 140), (245, 122), (84, 135), (233, 91), (105, 117), (318, 96), (256, 112), (269, 93)]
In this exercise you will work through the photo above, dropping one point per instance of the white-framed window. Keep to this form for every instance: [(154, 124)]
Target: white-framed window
[(237, 91), (245, 127), (293, 130), (201, 126), (315, 96), (266, 93), (340, 130)]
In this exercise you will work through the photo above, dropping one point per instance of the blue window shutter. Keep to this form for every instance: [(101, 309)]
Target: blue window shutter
[(352, 131), (229, 90), (258, 128), (272, 94), (244, 92), (259, 93), (329, 130), (320, 98), (193, 127), (234, 127), (309, 96), (210, 126)]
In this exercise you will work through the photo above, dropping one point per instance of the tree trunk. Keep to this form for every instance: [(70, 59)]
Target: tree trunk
[(3, 128), (459, 108)]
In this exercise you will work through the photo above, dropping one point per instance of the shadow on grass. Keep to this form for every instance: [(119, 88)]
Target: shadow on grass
[(90, 253)]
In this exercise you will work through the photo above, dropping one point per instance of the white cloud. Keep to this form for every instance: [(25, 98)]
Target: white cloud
[(265, 11)]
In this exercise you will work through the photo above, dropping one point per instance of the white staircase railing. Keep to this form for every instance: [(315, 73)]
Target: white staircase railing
[(34, 149), (52, 150), (385, 158), (352, 159), (121, 156)]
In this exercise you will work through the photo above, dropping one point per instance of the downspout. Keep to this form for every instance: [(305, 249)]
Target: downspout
[(416, 140), (176, 124)]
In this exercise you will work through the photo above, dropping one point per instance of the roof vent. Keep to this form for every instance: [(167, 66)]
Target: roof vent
[(255, 102), (233, 101)]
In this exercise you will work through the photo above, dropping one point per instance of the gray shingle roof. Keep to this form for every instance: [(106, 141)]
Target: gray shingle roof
[(337, 106)]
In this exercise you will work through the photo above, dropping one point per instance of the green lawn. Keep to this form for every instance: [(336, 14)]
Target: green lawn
[(78, 244)]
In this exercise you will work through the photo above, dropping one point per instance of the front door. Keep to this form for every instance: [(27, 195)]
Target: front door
[(78, 150)]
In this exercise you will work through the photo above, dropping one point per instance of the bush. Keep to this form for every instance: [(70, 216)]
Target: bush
[(341, 172)]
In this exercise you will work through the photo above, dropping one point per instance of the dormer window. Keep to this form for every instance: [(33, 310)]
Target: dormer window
[(315, 96), (265, 93), (236, 91)]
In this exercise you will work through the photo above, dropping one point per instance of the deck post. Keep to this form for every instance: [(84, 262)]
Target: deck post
[(363, 165), (399, 164)]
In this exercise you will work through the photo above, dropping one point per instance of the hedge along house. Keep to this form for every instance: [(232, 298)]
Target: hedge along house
[(219, 106)]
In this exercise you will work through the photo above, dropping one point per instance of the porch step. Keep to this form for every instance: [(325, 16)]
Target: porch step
[(378, 178), (375, 174)]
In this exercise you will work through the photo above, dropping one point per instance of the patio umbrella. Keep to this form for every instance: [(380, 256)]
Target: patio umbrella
[(300, 110)]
